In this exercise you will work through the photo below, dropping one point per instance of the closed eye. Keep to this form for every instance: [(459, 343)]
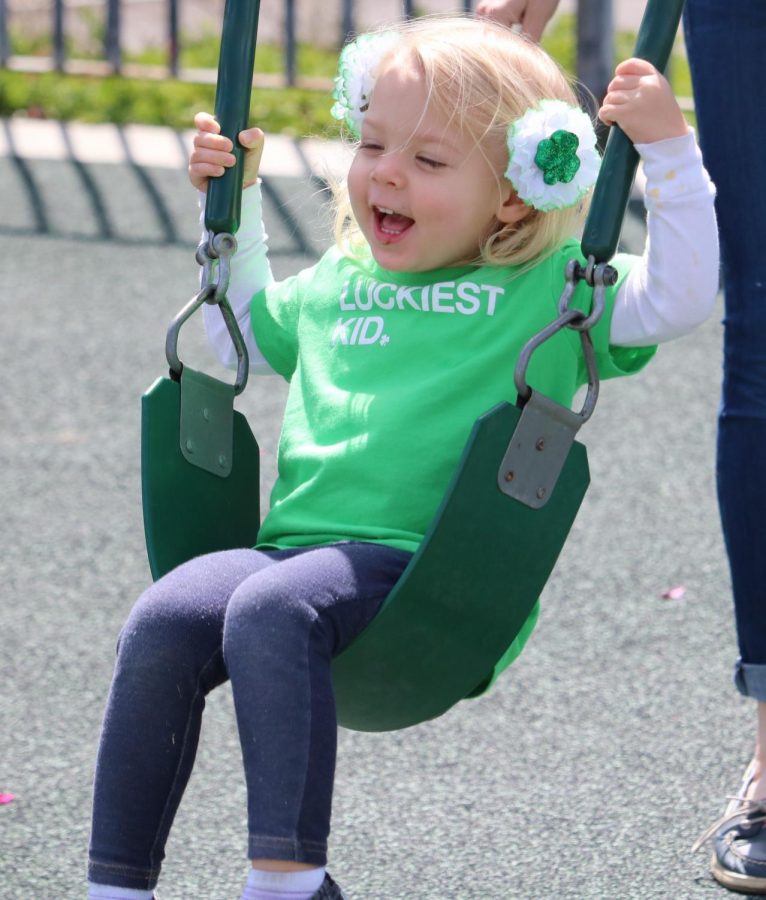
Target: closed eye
[(431, 163), (370, 145)]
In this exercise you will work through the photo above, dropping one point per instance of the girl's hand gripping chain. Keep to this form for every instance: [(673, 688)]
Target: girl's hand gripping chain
[(640, 100), (212, 152)]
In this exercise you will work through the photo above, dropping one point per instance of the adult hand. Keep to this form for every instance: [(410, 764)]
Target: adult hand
[(212, 154), (531, 15)]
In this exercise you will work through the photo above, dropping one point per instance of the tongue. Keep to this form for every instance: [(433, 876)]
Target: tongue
[(395, 222)]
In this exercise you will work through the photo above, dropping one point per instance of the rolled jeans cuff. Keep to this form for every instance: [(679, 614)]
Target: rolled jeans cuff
[(750, 680)]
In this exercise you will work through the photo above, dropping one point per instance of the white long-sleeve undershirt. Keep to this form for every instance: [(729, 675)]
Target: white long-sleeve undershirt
[(667, 294)]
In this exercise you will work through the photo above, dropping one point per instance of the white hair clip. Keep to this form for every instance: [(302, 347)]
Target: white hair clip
[(357, 71), (552, 157)]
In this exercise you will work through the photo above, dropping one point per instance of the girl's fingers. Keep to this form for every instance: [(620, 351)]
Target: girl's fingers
[(205, 155), (251, 137), (635, 66), (617, 98), (212, 153), (208, 140), (203, 121), (253, 140), (201, 171), (624, 83), (610, 108)]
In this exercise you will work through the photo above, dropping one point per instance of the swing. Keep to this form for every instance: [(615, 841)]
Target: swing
[(510, 504)]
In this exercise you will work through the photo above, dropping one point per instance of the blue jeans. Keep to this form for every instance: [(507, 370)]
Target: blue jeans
[(270, 622), (726, 42)]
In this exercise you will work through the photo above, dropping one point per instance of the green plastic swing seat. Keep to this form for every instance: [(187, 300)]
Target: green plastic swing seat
[(466, 594), (443, 627)]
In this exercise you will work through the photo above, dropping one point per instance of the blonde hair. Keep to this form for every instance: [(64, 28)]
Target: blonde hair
[(481, 76)]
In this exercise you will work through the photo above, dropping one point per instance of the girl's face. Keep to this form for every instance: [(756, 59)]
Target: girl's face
[(424, 195)]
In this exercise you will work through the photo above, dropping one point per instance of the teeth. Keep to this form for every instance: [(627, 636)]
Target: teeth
[(386, 212)]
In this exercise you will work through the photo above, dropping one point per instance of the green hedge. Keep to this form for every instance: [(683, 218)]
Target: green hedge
[(173, 103)]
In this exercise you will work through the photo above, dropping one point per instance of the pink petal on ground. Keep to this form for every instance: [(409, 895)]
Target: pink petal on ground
[(675, 593), (7, 798)]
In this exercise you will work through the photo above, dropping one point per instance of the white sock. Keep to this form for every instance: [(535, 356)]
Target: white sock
[(107, 892), (299, 885)]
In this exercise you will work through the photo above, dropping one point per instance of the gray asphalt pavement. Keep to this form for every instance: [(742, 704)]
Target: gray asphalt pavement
[(586, 773)]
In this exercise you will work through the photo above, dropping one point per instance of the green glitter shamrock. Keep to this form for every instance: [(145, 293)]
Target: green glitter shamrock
[(557, 157)]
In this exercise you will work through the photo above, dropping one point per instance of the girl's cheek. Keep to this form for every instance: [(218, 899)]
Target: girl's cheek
[(357, 203), (356, 189)]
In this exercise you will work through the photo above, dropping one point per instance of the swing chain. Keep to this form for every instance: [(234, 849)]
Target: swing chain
[(599, 277), (541, 441), (214, 255)]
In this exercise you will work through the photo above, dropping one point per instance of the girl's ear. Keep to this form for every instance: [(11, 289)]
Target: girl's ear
[(510, 209)]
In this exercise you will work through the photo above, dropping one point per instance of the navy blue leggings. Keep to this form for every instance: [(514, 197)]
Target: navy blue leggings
[(269, 621)]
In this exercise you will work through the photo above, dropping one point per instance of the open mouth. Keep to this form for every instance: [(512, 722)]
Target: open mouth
[(389, 224)]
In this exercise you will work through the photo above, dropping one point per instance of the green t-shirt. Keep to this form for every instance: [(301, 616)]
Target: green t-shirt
[(388, 372)]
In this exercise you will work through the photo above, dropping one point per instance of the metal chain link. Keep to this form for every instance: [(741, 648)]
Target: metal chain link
[(214, 255), (599, 277)]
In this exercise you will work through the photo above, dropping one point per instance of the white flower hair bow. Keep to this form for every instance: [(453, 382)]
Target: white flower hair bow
[(552, 157), (357, 70)]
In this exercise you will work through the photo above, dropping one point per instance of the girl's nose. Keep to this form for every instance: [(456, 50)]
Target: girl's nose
[(388, 170)]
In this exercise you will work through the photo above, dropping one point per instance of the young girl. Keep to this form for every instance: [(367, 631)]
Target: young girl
[(467, 184)]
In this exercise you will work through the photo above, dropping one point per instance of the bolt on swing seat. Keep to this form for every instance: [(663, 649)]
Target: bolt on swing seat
[(510, 504)]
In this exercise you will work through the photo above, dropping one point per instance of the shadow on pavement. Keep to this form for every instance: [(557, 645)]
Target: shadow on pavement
[(132, 203)]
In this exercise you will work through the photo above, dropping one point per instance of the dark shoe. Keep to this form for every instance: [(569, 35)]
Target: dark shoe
[(329, 890), (739, 843)]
